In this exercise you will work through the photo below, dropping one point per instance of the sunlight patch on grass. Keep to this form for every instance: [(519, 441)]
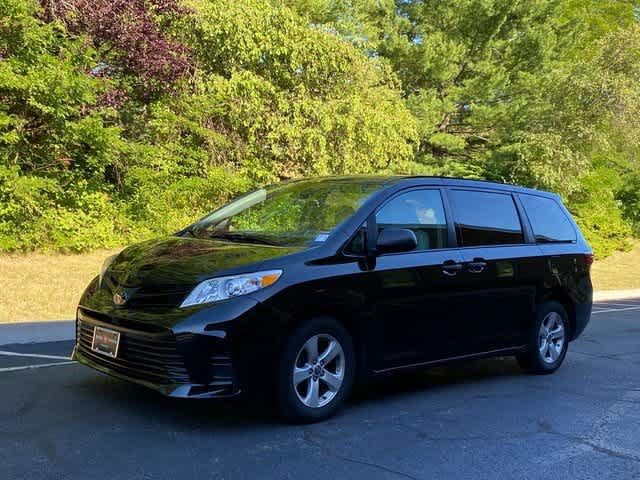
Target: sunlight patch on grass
[(45, 287), (620, 271)]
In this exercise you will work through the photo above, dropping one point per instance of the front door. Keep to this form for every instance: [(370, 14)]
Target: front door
[(417, 296)]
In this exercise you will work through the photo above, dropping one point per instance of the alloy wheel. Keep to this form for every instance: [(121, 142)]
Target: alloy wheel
[(551, 337), (318, 372)]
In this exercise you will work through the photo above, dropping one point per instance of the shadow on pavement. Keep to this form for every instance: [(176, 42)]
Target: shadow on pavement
[(135, 401)]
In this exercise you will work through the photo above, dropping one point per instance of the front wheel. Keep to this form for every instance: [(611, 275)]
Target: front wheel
[(548, 340), (316, 371)]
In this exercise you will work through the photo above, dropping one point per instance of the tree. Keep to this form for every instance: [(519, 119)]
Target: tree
[(541, 93), (121, 120)]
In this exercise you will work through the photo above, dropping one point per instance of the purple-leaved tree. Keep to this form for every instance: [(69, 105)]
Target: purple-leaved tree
[(132, 45)]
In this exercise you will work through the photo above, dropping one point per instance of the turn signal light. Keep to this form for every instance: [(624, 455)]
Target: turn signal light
[(270, 278)]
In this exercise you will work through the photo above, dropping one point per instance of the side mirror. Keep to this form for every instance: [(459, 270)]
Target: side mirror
[(396, 240)]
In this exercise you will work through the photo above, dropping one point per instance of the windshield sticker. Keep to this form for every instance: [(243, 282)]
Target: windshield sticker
[(321, 237)]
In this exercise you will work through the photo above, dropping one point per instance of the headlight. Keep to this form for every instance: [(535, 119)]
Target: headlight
[(221, 288), (105, 265)]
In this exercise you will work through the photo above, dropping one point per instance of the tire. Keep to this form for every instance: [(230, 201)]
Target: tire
[(309, 392), (545, 355)]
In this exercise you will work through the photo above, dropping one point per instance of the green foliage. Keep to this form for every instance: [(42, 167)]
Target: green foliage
[(295, 100), (111, 135), (163, 205), (89, 159), (530, 92), (629, 197), (598, 212)]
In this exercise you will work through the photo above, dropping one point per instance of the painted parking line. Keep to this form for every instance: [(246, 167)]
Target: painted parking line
[(14, 355), (33, 355), (608, 310), (29, 367), (609, 304)]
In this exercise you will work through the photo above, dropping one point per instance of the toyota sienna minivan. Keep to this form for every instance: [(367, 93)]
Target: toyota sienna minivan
[(296, 291)]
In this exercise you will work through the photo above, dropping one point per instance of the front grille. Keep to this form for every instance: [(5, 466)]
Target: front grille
[(221, 368), (147, 296), (151, 357)]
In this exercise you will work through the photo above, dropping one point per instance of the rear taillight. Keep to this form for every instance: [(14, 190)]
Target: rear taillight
[(588, 259)]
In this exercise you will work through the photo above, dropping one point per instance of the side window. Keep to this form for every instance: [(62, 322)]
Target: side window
[(486, 218), (420, 211), (548, 221)]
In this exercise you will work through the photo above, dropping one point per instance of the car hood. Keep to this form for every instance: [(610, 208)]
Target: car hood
[(177, 263)]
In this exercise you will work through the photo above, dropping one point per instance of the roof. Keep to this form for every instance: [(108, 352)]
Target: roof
[(389, 180), (466, 182), (435, 180)]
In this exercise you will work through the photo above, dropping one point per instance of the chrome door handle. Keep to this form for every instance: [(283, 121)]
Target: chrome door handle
[(477, 266), (451, 269)]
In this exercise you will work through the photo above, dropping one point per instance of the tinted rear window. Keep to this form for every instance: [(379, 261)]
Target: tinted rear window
[(548, 221), (486, 218)]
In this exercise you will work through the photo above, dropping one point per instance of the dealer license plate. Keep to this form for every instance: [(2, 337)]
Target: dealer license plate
[(105, 341)]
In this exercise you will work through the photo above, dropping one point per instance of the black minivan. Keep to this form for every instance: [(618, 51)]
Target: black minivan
[(294, 292)]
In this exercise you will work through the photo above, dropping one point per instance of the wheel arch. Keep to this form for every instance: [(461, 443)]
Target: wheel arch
[(562, 296), (353, 323)]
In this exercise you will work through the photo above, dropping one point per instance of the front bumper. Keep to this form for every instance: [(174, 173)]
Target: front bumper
[(177, 390), (182, 362)]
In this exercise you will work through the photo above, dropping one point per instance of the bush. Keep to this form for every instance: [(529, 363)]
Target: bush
[(629, 197), (162, 206), (600, 214), (127, 120)]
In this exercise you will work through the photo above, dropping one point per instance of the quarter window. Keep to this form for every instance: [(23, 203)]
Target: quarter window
[(548, 221), (420, 211), (486, 218)]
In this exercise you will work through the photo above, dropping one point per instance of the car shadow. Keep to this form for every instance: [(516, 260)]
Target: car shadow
[(147, 405), (436, 378)]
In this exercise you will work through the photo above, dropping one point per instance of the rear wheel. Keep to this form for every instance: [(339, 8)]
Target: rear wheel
[(316, 371), (548, 340)]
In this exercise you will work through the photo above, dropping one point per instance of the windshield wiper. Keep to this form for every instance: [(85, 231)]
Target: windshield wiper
[(243, 237)]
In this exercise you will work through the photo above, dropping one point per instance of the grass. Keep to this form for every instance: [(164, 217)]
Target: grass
[(47, 287), (620, 271)]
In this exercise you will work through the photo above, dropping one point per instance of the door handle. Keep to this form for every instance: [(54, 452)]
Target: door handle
[(450, 268), (477, 265)]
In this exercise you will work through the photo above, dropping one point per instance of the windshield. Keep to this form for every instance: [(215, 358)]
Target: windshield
[(287, 214)]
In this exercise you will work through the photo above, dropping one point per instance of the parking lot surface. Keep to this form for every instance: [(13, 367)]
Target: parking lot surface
[(480, 419)]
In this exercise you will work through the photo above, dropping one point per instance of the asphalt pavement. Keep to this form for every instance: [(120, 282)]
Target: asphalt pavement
[(475, 420)]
